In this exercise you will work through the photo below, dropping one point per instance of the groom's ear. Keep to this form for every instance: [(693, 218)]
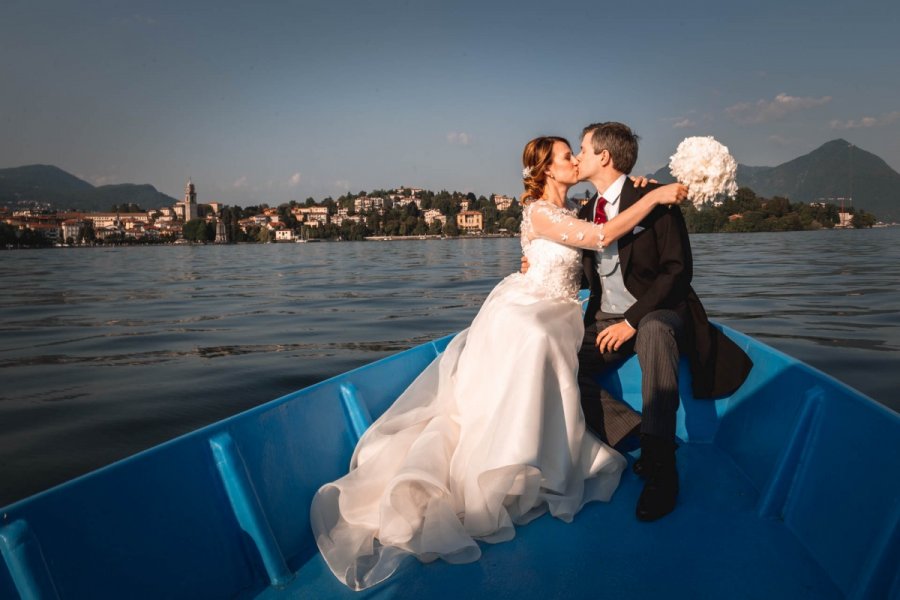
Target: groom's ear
[(604, 157)]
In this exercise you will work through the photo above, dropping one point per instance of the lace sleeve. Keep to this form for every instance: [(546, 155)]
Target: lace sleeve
[(559, 225)]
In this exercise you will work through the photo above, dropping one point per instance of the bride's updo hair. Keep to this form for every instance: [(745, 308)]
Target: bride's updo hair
[(536, 159)]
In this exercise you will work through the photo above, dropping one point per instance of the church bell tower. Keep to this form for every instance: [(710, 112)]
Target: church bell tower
[(190, 201)]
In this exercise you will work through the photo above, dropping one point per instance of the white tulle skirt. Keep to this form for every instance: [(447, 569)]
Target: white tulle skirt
[(489, 435)]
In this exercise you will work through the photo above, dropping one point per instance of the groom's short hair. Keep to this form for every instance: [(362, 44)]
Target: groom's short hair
[(618, 139)]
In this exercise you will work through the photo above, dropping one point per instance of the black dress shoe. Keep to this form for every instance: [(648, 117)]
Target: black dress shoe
[(657, 467), (659, 496)]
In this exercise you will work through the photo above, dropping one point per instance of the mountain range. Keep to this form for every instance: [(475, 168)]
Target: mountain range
[(62, 190), (834, 170)]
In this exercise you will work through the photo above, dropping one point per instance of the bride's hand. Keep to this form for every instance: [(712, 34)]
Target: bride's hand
[(668, 194), (641, 181)]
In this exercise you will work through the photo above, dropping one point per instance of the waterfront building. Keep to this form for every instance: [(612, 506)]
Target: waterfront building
[(246, 224), (106, 225), (369, 203), (845, 219), (166, 214), (171, 229), (51, 231), (72, 228), (284, 235), (221, 237), (111, 219), (432, 214), (107, 232), (502, 202), (315, 215), (342, 217), (130, 224), (134, 229), (470, 220)]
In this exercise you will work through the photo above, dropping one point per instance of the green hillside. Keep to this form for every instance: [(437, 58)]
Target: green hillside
[(62, 190)]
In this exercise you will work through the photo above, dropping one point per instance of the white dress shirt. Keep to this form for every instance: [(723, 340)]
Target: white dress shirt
[(616, 297)]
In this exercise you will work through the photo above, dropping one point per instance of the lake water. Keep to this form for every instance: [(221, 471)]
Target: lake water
[(107, 351)]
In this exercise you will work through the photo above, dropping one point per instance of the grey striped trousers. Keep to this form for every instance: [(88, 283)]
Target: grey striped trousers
[(656, 343)]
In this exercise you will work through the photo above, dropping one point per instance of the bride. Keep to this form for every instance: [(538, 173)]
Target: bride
[(491, 433)]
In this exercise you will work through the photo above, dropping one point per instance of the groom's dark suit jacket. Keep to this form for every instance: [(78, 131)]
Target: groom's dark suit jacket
[(657, 268)]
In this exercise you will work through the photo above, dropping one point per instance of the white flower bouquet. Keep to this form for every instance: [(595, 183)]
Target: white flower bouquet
[(705, 167)]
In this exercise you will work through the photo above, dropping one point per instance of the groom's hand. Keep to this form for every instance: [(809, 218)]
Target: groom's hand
[(614, 336), (525, 264)]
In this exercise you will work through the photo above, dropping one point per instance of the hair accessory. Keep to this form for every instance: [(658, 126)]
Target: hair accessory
[(526, 172)]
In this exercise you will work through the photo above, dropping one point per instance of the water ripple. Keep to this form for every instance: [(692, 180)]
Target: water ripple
[(106, 351)]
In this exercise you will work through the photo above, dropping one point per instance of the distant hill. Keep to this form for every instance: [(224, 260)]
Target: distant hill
[(62, 190), (826, 173), (44, 183), (103, 197)]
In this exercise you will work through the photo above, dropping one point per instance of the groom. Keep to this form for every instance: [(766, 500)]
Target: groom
[(642, 303)]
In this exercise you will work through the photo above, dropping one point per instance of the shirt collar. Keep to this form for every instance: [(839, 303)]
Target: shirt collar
[(614, 191)]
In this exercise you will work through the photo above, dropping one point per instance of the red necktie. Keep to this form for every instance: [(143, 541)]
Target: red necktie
[(600, 213)]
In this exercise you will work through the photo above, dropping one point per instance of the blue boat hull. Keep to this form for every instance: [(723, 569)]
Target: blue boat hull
[(789, 490)]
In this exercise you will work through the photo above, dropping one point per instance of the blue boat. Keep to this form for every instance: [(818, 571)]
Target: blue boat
[(790, 488)]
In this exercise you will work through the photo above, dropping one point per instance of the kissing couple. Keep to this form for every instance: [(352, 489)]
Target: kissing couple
[(492, 433)]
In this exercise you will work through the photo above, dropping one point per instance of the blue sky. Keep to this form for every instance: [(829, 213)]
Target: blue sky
[(268, 102)]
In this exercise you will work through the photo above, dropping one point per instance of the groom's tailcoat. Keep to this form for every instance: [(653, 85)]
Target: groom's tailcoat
[(657, 268)]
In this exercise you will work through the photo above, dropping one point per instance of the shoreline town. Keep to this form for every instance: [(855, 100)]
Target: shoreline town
[(405, 213)]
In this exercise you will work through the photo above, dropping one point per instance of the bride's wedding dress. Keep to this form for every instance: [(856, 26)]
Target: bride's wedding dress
[(489, 435)]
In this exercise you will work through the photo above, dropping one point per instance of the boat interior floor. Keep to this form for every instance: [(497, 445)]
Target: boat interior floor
[(714, 545)]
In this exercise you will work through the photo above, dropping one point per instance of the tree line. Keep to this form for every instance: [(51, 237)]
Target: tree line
[(393, 220), (747, 212)]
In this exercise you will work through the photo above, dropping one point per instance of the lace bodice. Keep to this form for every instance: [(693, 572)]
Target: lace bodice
[(551, 238)]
